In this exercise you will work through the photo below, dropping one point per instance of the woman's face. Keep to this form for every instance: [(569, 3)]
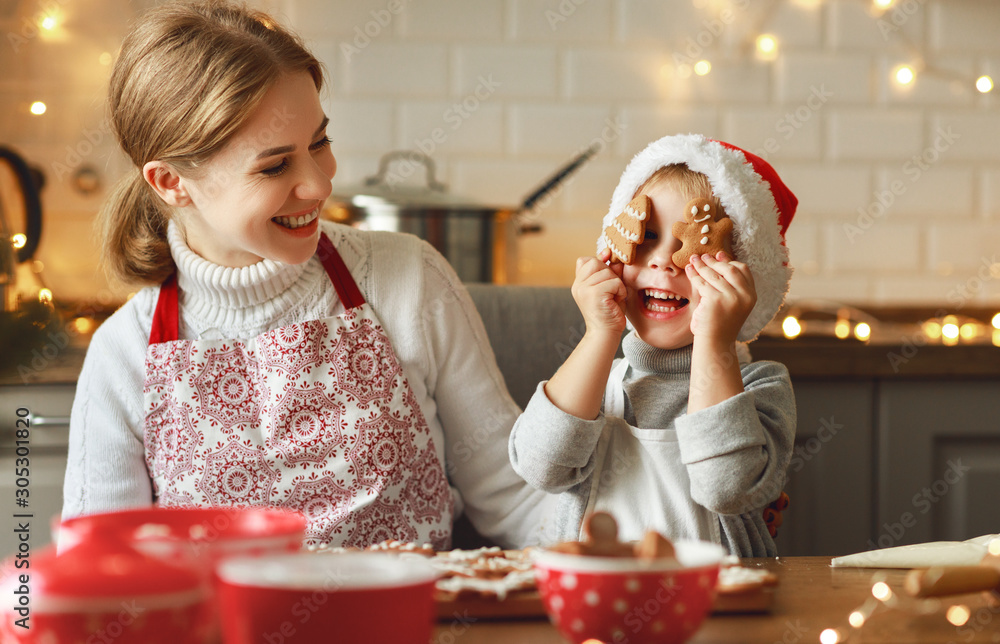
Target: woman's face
[(260, 196)]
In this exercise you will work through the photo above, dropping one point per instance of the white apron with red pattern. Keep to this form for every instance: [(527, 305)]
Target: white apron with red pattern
[(315, 416)]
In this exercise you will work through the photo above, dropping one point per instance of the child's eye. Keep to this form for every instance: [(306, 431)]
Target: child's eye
[(322, 143), (650, 235), (276, 170)]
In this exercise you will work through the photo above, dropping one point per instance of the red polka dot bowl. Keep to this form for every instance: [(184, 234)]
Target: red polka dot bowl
[(625, 600)]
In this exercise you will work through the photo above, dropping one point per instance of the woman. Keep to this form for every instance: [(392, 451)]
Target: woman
[(274, 358)]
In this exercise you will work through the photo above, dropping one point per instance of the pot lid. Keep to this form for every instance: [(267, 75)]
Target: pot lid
[(391, 188), (102, 564)]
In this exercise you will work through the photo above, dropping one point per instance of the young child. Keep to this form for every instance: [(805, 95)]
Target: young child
[(689, 440), (274, 358)]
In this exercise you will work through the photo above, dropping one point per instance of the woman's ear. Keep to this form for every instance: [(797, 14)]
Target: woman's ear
[(166, 182)]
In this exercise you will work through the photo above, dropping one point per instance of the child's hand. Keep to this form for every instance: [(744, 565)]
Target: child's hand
[(600, 294), (727, 295)]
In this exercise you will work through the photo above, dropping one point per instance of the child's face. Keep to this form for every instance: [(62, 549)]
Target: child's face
[(660, 298), (260, 196)]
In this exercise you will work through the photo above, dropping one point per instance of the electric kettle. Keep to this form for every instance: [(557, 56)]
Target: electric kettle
[(28, 182)]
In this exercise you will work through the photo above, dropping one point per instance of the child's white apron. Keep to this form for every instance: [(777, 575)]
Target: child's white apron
[(315, 416), (639, 477)]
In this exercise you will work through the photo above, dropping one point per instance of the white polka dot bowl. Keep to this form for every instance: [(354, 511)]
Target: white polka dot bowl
[(625, 600)]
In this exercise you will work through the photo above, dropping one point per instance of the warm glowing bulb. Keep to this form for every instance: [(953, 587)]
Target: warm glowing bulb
[(702, 67), (862, 331), (994, 547), (881, 591), (48, 22), (766, 44), (842, 329), (83, 325), (883, 4), (933, 330), (791, 327), (984, 84), (45, 296), (905, 75), (958, 615), (829, 636), (857, 619), (968, 331), (105, 58), (950, 331), (20, 239), (38, 108)]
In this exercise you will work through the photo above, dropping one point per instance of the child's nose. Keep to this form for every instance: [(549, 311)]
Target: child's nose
[(661, 257)]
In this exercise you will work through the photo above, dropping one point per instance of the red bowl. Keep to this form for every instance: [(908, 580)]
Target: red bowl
[(615, 599), (312, 597), (102, 589), (196, 538), (199, 536)]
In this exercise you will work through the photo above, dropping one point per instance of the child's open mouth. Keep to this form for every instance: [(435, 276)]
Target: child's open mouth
[(297, 221), (662, 301)]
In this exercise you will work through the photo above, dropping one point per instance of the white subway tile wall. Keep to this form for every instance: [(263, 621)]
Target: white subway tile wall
[(899, 186)]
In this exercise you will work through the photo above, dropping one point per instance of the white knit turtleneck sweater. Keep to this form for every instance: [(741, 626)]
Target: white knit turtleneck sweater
[(426, 312)]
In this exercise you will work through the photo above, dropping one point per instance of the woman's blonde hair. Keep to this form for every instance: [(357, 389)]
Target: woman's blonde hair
[(189, 75), (690, 184)]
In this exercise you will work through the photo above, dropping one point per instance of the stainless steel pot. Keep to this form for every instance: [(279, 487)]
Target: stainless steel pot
[(480, 241)]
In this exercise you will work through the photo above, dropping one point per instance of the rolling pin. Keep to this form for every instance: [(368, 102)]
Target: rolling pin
[(940, 581)]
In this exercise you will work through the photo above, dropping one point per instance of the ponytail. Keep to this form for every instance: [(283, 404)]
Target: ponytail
[(133, 229), (187, 77)]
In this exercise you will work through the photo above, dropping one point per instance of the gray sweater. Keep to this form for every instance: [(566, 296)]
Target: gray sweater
[(736, 452)]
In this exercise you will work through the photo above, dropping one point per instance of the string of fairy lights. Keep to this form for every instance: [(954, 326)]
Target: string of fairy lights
[(767, 46), (885, 599), (764, 46)]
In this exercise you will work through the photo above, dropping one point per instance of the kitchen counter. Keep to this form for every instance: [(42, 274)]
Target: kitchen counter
[(806, 358), (809, 358), (809, 598), (55, 366)]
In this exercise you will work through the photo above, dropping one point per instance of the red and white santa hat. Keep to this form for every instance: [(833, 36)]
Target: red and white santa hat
[(760, 205)]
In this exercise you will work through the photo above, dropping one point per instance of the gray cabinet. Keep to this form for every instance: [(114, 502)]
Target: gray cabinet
[(889, 462), (830, 477), (939, 461), (48, 440)]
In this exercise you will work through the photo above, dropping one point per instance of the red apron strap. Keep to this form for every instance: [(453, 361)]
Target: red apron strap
[(166, 315), (347, 289)]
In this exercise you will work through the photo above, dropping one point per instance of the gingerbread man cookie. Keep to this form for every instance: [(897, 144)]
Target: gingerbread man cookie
[(702, 231), (628, 230)]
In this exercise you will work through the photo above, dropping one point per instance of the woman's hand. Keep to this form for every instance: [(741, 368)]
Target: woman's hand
[(726, 296), (600, 294)]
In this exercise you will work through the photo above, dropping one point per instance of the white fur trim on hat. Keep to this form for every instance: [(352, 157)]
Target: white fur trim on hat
[(747, 199)]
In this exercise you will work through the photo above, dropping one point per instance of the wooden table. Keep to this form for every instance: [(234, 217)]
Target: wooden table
[(810, 597)]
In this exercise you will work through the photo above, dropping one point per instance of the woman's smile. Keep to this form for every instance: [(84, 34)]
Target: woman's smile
[(299, 224)]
